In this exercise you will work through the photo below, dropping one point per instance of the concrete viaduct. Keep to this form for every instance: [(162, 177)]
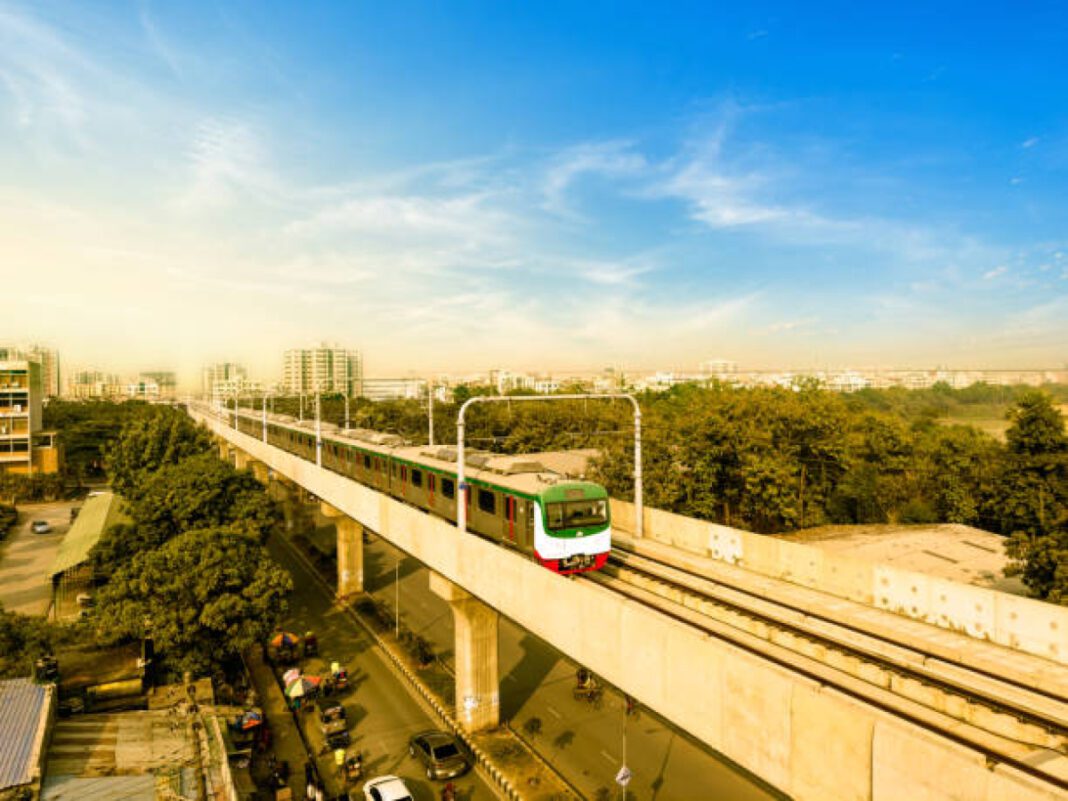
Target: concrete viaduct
[(802, 736)]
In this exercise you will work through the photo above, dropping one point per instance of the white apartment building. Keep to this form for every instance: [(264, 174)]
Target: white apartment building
[(326, 368), (381, 389)]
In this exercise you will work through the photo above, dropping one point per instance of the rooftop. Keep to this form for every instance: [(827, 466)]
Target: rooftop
[(98, 513), (950, 551), (21, 729)]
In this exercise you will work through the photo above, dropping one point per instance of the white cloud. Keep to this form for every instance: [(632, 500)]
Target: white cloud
[(1029, 142), (990, 275), (614, 158)]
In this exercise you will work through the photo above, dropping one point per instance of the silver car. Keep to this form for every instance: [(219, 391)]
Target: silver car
[(441, 754)]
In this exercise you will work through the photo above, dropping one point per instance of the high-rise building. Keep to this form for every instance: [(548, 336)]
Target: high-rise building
[(226, 379), (165, 381), (326, 368), (46, 357), (94, 385), (220, 373), (24, 446)]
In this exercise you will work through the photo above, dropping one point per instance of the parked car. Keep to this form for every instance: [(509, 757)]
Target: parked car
[(441, 754), (386, 788), (41, 527)]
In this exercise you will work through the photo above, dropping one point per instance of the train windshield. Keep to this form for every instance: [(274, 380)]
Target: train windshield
[(574, 514)]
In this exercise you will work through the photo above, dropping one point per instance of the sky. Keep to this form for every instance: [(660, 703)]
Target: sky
[(456, 186)]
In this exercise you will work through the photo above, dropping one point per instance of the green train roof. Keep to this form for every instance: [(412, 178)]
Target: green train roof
[(570, 491)]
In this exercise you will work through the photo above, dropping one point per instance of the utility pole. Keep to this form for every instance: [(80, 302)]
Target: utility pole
[(430, 409)]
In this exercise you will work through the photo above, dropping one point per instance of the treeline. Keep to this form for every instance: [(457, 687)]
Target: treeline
[(779, 459), (191, 564)]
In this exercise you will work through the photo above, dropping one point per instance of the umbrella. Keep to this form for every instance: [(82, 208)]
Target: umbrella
[(302, 686), (290, 676), (285, 639), (249, 720)]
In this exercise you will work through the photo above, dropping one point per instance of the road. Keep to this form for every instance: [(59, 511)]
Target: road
[(381, 711), (583, 743), (25, 558)]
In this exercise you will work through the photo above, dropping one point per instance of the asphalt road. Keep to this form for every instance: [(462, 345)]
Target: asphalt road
[(584, 743), (25, 558), (381, 711)]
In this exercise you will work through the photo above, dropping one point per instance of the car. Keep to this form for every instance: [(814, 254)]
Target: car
[(441, 754), (386, 788), (41, 527)]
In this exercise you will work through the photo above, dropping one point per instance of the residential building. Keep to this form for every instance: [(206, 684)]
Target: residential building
[(165, 381), (380, 389), (226, 379), (24, 447), (325, 368), (94, 385), (46, 357)]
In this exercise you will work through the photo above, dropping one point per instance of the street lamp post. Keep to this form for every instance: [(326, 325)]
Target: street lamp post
[(396, 604), (318, 429), (430, 410), (461, 484), (264, 410)]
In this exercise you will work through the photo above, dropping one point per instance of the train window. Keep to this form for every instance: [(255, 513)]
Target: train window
[(366, 462), (448, 487), (417, 478), (487, 502)]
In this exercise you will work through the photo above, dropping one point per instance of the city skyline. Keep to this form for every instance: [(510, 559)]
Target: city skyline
[(187, 185)]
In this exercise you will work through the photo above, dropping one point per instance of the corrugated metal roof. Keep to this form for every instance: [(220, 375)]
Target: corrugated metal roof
[(98, 513), (21, 702)]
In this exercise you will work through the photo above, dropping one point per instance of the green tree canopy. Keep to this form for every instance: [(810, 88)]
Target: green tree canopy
[(208, 594), (154, 437), (1032, 496), (198, 492)]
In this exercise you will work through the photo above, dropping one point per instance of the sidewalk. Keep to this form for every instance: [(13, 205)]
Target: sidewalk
[(286, 742)]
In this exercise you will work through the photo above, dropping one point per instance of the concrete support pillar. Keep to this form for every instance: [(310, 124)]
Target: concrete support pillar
[(478, 700), (349, 551), (241, 459), (224, 450), (286, 498), (261, 472)]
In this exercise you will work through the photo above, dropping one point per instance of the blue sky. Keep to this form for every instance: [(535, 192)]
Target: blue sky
[(456, 186)]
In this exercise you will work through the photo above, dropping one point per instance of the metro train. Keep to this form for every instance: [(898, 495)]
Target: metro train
[(532, 503)]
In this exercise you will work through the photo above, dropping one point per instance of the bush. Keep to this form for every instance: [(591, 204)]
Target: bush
[(918, 511)]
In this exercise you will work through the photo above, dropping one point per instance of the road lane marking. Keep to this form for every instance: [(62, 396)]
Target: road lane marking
[(608, 756), (554, 712)]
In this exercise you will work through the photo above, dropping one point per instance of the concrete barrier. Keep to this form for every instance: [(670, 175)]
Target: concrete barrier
[(757, 713), (1025, 624)]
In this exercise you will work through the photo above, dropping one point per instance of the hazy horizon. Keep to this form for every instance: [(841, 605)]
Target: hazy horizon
[(561, 187)]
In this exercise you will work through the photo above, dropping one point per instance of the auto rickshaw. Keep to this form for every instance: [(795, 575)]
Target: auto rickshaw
[(349, 765)]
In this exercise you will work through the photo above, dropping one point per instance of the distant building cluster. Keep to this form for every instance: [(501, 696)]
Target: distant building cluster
[(46, 357), (852, 380), (153, 385)]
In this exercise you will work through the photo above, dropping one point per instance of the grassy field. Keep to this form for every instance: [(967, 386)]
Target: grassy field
[(987, 417)]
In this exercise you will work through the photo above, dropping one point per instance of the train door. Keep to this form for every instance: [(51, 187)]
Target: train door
[(403, 480), (431, 486), (511, 505)]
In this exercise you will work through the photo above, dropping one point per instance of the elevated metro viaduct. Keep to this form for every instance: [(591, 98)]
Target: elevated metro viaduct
[(807, 739)]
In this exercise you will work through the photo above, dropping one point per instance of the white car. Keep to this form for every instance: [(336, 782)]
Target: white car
[(41, 527), (386, 788)]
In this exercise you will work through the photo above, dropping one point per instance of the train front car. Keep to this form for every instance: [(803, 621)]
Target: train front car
[(572, 530)]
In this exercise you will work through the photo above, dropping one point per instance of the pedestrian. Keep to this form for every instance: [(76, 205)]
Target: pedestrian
[(309, 773), (319, 794), (309, 791)]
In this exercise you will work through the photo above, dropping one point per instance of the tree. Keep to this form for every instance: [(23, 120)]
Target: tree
[(86, 429), (156, 436), (208, 594), (1032, 498), (198, 492)]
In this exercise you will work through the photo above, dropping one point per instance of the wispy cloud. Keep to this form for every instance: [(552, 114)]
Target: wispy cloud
[(990, 275), (1030, 142), (158, 42), (613, 158)]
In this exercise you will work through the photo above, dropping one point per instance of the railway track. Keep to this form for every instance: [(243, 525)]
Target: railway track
[(1004, 717)]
